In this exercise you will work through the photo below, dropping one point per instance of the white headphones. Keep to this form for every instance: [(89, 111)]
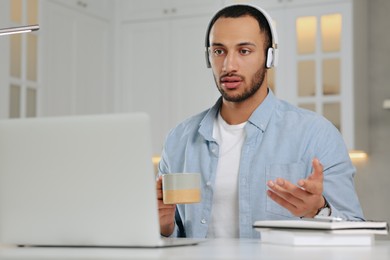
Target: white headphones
[(272, 52)]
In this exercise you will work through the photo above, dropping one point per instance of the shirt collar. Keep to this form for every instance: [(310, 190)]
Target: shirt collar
[(259, 118), (207, 123), (262, 115)]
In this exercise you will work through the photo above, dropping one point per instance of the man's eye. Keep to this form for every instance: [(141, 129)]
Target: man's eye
[(218, 52), (245, 51)]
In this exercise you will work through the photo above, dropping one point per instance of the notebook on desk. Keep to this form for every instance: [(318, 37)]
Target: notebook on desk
[(79, 181)]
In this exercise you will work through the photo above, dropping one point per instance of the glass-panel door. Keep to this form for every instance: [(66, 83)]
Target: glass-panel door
[(318, 49), (318, 56), (316, 62), (23, 61)]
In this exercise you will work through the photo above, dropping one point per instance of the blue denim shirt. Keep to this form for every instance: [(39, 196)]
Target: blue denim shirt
[(281, 141)]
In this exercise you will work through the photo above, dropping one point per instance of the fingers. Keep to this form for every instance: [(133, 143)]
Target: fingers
[(166, 212), (160, 201), (287, 190), (165, 207), (166, 218), (285, 193), (288, 196), (281, 201), (314, 183), (159, 188), (159, 183), (295, 199), (298, 209)]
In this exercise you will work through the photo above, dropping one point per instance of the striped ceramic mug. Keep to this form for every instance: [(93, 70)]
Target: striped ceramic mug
[(181, 188)]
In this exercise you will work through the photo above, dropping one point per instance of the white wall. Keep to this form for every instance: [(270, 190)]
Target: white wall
[(373, 175)]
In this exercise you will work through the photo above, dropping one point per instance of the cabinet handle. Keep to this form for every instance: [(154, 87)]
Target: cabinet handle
[(82, 4), (170, 11)]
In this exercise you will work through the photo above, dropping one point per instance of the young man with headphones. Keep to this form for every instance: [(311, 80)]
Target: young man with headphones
[(260, 157)]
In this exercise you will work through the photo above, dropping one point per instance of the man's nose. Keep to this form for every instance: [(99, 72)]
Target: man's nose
[(230, 63)]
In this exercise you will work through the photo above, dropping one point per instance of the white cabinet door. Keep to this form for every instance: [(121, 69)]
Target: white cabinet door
[(162, 63), (164, 71), (146, 74), (57, 65), (194, 87), (91, 91), (75, 62)]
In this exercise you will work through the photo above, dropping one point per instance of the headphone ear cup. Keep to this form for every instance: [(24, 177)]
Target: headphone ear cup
[(269, 62), (206, 53)]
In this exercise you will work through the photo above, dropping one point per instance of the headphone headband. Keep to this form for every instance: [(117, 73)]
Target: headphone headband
[(272, 53)]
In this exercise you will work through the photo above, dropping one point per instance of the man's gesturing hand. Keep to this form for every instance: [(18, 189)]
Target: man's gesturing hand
[(303, 200)]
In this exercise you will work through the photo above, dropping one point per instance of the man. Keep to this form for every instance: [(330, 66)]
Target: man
[(260, 157)]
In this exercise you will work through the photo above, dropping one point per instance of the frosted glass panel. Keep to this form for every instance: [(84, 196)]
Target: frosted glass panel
[(306, 78), (32, 11), (311, 107), (14, 104), (16, 55), (32, 57), (306, 34), (16, 11), (331, 32), (331, 76), (332, 113), (31, 103)]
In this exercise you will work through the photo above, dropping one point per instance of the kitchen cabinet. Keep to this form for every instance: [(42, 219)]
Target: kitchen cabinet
[(76, 63), (162, 65)]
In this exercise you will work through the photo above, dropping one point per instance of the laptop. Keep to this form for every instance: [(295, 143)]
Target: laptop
[(79, 181)]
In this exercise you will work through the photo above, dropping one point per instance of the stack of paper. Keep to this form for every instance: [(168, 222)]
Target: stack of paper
[(314, 232)]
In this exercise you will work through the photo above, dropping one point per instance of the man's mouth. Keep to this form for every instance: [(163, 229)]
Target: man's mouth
[(231, 82)]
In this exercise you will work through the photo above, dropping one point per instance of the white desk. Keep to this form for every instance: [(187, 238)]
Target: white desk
[(212, 249)]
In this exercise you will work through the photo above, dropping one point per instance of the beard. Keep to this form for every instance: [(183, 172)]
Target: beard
[(255, 85)]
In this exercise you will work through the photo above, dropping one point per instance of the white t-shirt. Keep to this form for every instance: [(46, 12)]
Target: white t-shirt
[(224, 213)]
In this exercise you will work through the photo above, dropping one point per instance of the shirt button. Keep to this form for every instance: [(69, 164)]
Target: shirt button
[(243, 181), (208, 183), (203, 221)]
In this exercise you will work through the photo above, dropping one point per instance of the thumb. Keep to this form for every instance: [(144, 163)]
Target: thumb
[(317, 170), (314, 182), (159, 182)]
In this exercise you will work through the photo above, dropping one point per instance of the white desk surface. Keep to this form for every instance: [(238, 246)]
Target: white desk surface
[(211, 249)]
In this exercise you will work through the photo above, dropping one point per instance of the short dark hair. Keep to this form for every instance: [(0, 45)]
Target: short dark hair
[(236, 11)]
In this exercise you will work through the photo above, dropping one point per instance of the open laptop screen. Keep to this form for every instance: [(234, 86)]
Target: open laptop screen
[(80, 180)]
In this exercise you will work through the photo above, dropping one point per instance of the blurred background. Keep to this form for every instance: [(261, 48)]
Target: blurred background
[(112, 56)]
